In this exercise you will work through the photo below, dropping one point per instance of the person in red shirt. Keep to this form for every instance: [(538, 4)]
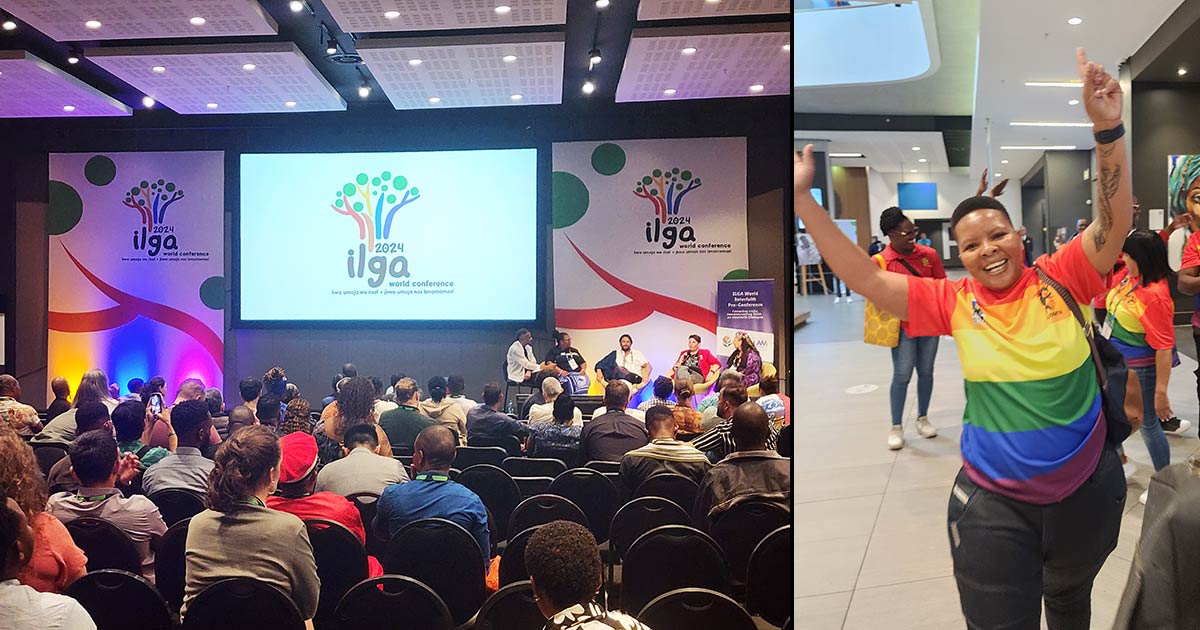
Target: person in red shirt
[(298, 479), (905, 256)]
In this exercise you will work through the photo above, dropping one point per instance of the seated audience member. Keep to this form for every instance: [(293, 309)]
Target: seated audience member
[(753, 469), (329, 400), (297, 495), (22, 607), (132, 425), (56, 561), (189, 389), (625, 363), (717, 442), (431, 493), (640, 416), (610, 435), (275, 382), (663, 454), (215, 401), (784, 442), (239, 536), (297, 418), (89, 416), (362, 469), (354, 406), (403, 424), (709, 402), (688, 421), (520, 364), (250, 389), (445, 410), (187, 468), (544, 412), (156, 385), (381, 406), (777, 405), (456, 386), (93, 387), (330, 409), (62, 392), (565, 573), (663, 387), (488, 421), (291, 391), (269, 412), (95, 464), (558, 438), (134, 388), (696, 364), (240, 416), (21, 417)]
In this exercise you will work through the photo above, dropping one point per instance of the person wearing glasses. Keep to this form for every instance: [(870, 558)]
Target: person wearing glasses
[(905, 256)]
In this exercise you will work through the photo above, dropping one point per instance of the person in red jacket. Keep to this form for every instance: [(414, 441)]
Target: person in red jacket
[(696, 364)]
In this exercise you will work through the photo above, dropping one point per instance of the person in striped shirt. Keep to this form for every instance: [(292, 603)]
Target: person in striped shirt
[(1037, 506)]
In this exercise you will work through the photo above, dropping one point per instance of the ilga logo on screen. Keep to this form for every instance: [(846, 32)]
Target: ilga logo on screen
[(373, 203), (151, 199), (666, 190)]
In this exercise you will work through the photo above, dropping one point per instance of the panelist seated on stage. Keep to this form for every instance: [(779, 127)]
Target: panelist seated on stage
[(520, 364), (488, 421), (625, 363), (697, 365), (572, 367)]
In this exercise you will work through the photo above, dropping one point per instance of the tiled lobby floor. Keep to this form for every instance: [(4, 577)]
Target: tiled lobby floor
[(870, 523)]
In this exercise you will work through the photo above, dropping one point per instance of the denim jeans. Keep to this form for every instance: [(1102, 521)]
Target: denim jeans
[(912, 352), (1009, 555), (1152, 431)]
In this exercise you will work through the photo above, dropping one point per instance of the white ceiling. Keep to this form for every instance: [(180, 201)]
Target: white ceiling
[(361, 16), (726, 62), (195, 76), (885, 151), (1030, 40), (63, 20), (32, 88), (468, 71), (678, 9)]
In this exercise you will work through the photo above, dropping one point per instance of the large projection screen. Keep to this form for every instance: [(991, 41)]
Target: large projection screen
[(399, 237)]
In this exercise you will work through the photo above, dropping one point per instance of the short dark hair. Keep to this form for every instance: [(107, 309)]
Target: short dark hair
[(215, 401), (250, 388), (616, 395), (735, 394), (437, 388), (729, 377), (1150, 253), (626, 336), (769, 384), (455, 384), (377, 383), (349, 369), (890, 219), (659, 414), (564, 563), (90, 416), (564, 409), (438, 444), (93, 456), (696, 337), (268, 407), (188, 416), (559, 335), (491, 393), (521, 332), (156, 383), (406, 388), (663, 387), (971, 204), (10, 529), (240, 416), (360, 435), (751, 426), (129, 419), (135, 385)]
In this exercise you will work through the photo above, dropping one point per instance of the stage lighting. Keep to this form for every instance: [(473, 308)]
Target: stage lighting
[(594, 56), (589, 87)]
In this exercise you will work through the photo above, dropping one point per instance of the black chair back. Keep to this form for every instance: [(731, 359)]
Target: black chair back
[(673, 487), (498, 492), (396, 602), (767, 590), (695, 609), (510, 443), (512, 563), (341, 562), (467, 456), (533, 466), (510, 608), (119, 600), (176, 504), (367, 502), (568, 455), (170, 565), (640, 516), (739, 529), (670, 557), (445, 557), (47, 455), (106, 545), (531, 486), (403, 450), (603, 466), (543, 508), (594, 493), (242, 604)]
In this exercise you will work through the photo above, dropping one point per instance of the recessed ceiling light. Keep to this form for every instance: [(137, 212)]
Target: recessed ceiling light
[(92, 24), (364, 90), (72, 60), (289, 103), (435, 100), (516, 97), (1075, 21), (711, 1), (211, 105), (845, 155), (589, 87), (415, 62), (1066, 84), (916, 148), (1073, 101), (1045, 123), (197, 21), (503, 9), (248, 67), (159, 69), (602, 4), (912, 170), (391, 15), (998, 175), (757, 87), (1181, 71), (296, 6), (669, 91), (147, 102), (922, 160), (1004, 161), (509, 58), (1039, 147), (688, 51), (68, 108), (10, 25)]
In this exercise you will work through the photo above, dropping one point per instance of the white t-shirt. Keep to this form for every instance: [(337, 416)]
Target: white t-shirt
[(545, 413), (640, 415), (632, 360), (22, 607), (467, 403)]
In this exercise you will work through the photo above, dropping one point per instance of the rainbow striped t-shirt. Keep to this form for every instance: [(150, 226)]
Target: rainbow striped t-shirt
[(1143, 319), (1033, 426)]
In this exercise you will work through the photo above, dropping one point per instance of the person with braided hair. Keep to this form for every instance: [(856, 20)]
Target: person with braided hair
[(1184, 199), (239, 536)]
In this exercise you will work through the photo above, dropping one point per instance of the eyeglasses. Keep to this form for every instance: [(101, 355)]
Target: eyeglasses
[(899, 232)]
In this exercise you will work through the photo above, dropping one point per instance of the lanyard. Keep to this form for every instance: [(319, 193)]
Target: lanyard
[(431, 477), (253, 501), (92, 499), (1111, 317)]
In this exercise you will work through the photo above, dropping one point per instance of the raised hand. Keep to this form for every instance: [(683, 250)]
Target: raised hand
[(1101, 93), (982, 184), (998, 189), (803, 170)]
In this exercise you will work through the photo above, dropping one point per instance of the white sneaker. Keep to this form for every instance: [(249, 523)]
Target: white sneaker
[(924, 428), (1142, 497), (1184, 425), (896, 437), (836, 300), (1130, 468), (849, 299)]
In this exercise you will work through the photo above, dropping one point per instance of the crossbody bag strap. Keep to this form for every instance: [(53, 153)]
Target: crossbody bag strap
[(1087, 330), (909, 267)]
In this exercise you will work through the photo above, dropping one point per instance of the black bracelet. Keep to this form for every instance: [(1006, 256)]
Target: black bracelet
[(1110, 135)]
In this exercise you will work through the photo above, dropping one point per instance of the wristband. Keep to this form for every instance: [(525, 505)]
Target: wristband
[(1110, 135)]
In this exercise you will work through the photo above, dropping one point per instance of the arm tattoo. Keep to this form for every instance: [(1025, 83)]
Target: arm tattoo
[(1110, 179)]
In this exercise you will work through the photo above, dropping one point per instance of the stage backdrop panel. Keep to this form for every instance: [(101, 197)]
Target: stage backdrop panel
[(136, 263), (643, 231)]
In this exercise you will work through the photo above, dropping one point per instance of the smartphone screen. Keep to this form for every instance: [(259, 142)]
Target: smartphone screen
[(156, 404)]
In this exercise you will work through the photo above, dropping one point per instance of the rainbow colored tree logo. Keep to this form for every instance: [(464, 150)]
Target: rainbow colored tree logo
[(151, 200), (665, 189), (367, 201)]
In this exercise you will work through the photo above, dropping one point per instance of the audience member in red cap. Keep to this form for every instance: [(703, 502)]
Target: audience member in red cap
[(298, 478)]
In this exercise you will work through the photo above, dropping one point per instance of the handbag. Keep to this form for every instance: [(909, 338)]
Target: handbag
[(881, 328), (1111, 370)]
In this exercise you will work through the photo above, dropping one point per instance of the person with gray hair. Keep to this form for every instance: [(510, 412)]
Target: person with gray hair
[(551, 390), (19, 416)]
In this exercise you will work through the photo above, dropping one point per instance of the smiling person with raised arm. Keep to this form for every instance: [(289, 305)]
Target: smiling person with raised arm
[(1037, 506)]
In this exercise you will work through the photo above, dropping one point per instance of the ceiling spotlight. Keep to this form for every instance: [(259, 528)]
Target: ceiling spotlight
[(289, 103), (197, 21), (837, 154), (1181, 71), (147, 102), (998, 175), (72, 60), (364, 90), (296, 6), (92, 24), (669, 91), (159, 69), (415, 62), (1075, 21), (435, 100), (916, 148), (248, 67), (1073, 101), (211, 105), (922, 160), (756, 88), (68, 108), (602, 4), (589, 87), (1004, 161), (331, 47), (516, 97), (688, 51), (391, 15), (594, 56), (10, 25), (503, 9), (509, 58)]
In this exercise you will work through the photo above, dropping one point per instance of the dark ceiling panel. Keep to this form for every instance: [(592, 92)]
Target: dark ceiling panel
[(955, 130)]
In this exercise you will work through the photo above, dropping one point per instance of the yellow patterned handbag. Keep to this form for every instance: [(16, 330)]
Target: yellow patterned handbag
[(880, 328)]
